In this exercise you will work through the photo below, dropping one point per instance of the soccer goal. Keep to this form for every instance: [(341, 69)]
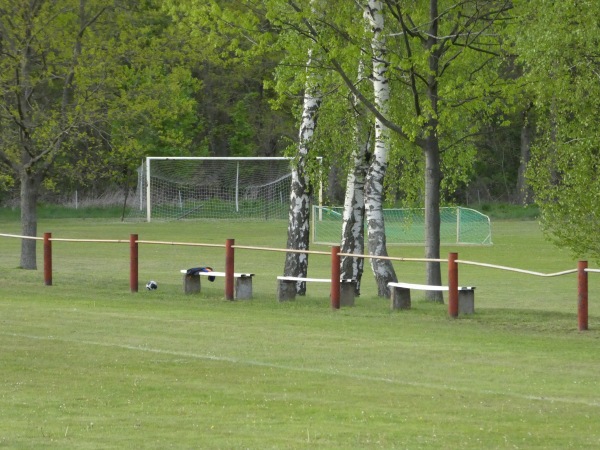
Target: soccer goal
[(407, 226), (177, 188)]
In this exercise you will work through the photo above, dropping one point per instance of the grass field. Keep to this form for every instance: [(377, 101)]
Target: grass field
[(87, 364)]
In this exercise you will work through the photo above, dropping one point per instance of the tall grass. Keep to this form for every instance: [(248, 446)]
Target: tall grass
[(87, 364)]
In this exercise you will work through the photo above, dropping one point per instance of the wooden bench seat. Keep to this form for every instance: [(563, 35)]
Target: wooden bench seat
[(243, 282), (286, 288), (401, 295)]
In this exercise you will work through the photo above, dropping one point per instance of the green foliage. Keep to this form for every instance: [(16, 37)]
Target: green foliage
[(6, 183), (99, 98), (497, 161), (558, 48), (242, 131), (507, 211), (458, 95), (155, 112), (234, 55)]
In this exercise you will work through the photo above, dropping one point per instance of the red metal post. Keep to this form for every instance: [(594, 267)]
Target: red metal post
[(48, 259), (229, 268), (335, 277), (133, 262), (582, 295), (452, 285)]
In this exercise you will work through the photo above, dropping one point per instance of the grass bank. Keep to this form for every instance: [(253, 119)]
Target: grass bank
[(86, 364)]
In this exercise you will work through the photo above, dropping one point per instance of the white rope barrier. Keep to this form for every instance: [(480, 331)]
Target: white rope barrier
[(103, 241), (21, 237), (393, 258), (512, 269), (246, 247), (283, 250), (189, 244)]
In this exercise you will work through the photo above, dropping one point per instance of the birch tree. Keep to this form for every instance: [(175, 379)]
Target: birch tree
[(299, 24), (524, 195), (247, 31), (365, 180), (296, 263), (353, 219), (383, 269), (444, 67), (442, 63)]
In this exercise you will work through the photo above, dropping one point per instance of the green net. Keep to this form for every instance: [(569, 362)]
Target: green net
[(407, 226)]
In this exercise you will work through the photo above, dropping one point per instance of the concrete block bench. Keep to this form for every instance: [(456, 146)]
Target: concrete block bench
[(401, 295), (286, 288), (243, 282)]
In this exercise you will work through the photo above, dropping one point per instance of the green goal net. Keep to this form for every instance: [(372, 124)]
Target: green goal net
[(407, 226)]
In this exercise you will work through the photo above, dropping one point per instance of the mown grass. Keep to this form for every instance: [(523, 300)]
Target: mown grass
[(87, 364)]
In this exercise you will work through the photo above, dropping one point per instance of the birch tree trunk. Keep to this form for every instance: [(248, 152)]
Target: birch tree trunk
[(374, 183), (296, 264), (353, 227)]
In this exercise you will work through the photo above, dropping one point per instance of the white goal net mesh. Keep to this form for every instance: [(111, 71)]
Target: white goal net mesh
[(212, 188)]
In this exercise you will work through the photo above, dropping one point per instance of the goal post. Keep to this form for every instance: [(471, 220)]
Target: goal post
[(406, 226), (250, 188)]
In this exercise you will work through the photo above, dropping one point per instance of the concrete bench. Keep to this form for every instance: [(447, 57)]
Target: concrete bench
[(401, 295), (286, 288), (243, 282)]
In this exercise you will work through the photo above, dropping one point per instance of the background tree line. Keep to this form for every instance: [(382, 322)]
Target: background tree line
[(90, 87), (229, 109)]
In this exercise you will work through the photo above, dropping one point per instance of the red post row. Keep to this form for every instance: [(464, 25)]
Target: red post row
[(48, 259), (133, 262), (582, 295), (452, 285), (229, 268), (335, 277)]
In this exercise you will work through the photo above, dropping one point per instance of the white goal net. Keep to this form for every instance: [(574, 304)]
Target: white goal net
[(179, 188)]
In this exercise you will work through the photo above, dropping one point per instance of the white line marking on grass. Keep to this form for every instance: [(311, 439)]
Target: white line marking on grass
[(232, 360)]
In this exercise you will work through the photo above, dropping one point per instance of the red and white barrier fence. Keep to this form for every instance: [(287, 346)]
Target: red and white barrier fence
[(453, 263)]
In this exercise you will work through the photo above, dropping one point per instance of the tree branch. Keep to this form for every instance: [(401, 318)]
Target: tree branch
[(350, 84), (369, 105)]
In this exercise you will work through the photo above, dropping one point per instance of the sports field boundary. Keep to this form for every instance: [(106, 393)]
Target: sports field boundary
[(453, 262)]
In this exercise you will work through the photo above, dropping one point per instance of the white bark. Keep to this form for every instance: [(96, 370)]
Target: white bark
[(296, 264), (382, 269), (353, 227)]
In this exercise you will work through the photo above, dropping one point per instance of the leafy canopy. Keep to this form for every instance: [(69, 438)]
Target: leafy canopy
[(558, 45)]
